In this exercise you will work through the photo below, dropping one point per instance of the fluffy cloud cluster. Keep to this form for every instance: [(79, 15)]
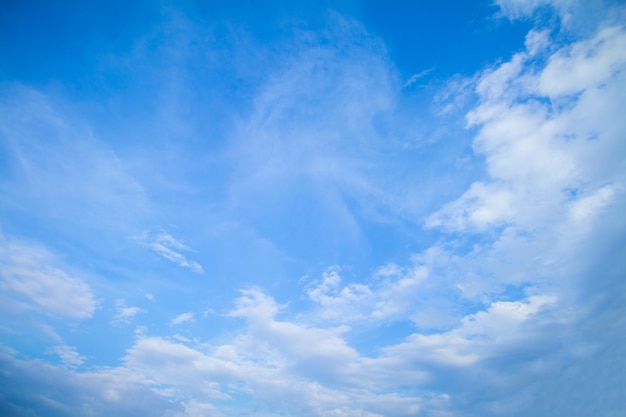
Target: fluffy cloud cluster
[(309, 371), (550, 137)]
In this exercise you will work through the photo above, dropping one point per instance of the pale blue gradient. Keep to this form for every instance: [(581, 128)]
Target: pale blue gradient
[(341, 209)]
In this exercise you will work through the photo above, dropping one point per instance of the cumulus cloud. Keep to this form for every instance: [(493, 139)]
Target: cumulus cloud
[(549, 128), (584, 65), (543, 133), (32, 279), (477, 337), (311, 371), (165, 364), (388, 294), (314, 371), (328, 291)]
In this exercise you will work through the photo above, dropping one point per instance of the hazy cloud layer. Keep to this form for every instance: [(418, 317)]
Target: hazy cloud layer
[(32, 279)]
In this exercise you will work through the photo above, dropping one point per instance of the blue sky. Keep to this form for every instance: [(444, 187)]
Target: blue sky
[(351, 208)]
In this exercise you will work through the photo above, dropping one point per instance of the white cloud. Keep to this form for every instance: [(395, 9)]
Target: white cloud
[(59, 169), (387, 295), (124, 314), (31, 278), (182, 318), (75, 394), (529, 242), (166, 246), (164, 365), (535, 150), (515, 9), (305, 345), (198, 409), (587, 206), (482, 333), (417, 76), (480, 207), (314, 141), (396, 296), (532, 283), (68, 354), (584, 65), (311, 371), (327, 291)]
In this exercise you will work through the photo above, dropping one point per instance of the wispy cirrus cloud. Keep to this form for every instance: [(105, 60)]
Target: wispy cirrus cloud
[(166, 246), (124, 314), (413, 79), (32, 278), (315, 141), (181, 318), (58, 168)]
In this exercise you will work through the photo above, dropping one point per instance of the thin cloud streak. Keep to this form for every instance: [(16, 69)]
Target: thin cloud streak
[(169, 248)]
